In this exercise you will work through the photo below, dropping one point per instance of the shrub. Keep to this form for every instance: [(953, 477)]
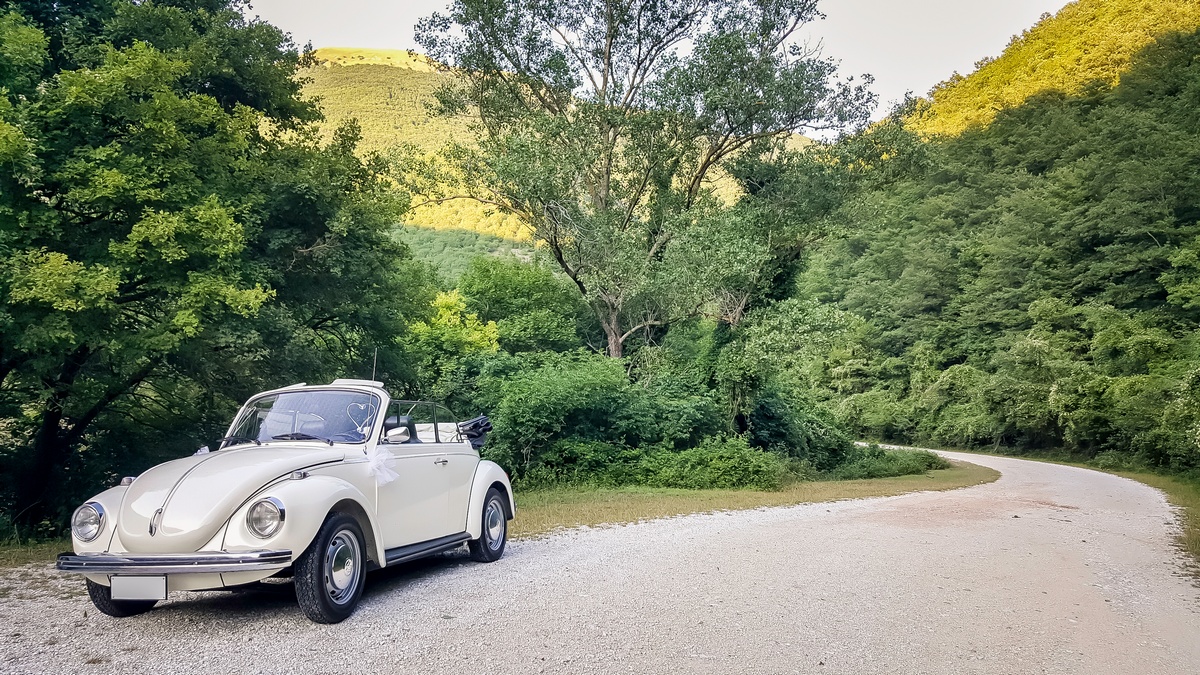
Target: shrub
[(875, 462), (579, 396), (718, 462), (801, 430)]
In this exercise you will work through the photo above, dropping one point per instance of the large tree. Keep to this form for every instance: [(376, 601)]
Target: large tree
[(172, 232), (606, 125)]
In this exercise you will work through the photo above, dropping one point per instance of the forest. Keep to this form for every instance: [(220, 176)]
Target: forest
[(697, 301)]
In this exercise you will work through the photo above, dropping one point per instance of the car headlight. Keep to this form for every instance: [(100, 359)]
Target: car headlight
[(88, 521), (265, 517)]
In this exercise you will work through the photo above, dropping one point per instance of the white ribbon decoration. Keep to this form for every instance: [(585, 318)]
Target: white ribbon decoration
[(377, 458)]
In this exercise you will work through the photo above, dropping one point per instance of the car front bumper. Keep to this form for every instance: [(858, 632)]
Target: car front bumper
[(201, 562)]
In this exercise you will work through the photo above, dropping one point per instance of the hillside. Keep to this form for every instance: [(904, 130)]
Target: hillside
[(387, 92), (1088, 41)]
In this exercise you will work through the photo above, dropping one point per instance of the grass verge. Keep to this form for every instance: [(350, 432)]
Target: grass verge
[(544, 511), (15, 555)]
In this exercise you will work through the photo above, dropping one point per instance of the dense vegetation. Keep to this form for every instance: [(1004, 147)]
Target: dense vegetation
[(1032, 283), (174, 237), (450, 252)]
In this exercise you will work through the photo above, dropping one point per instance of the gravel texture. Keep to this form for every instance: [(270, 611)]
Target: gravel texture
[(1050, 569)]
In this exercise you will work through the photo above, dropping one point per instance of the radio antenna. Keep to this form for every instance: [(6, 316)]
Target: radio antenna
[(374, 362)]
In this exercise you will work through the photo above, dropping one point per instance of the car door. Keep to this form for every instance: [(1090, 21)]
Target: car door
[(412, 508), (461, 461)]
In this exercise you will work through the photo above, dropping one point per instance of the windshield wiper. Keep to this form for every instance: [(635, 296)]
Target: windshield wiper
[(238, 439), (300, 436)]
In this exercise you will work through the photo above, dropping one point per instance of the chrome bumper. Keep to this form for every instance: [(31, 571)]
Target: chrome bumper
[(174, 563)]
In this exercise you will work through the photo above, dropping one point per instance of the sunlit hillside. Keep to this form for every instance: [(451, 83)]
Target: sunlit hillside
[(1087, 41), (387, 92)]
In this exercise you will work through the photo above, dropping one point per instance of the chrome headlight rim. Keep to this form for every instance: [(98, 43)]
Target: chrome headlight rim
[(273, 504), (95, 508)]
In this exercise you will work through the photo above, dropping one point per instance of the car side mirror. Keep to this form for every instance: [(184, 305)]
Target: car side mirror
[(399, 435)]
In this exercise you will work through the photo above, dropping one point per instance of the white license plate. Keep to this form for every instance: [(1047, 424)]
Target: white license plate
[(139, 588)]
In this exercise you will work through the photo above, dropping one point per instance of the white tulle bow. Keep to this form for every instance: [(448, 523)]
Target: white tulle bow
[(377, 458)]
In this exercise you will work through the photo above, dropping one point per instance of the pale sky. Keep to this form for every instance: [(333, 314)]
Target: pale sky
[(907, 46)]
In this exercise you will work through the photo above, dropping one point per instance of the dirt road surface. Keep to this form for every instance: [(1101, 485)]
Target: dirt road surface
[(1050, 569)]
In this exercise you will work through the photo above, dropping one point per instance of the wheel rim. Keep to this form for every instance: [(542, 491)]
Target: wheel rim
[(343, 566), (493, 521)]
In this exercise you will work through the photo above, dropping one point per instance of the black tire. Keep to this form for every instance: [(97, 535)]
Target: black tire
[(330, 574), (102, 598), (494, 529)]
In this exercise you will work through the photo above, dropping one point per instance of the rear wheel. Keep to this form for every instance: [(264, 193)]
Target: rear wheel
[(102, 598), (331, 573), (494, 535)]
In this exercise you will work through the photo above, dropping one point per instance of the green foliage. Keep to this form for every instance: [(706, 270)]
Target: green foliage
[(174, 236), (718, 462), (440, 346), (800, 429), (535, 310), (556, 397), (875, 462), (1028, 284), (450, 252)]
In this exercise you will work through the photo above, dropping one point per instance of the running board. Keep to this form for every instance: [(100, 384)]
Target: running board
[(401, 554)]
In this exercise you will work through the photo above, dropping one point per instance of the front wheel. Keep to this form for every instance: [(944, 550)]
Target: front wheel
[(331, 573), (490, 544), (102, 598)]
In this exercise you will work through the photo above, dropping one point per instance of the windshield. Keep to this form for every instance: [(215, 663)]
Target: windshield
[(338, 416)]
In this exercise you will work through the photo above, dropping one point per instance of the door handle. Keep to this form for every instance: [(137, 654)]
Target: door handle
[(442, 461)]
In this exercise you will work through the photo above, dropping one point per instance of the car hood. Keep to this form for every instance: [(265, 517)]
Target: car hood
[(198, 494)]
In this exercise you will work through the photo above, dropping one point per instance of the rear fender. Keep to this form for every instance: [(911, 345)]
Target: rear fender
[(306, 504), (487, 475)]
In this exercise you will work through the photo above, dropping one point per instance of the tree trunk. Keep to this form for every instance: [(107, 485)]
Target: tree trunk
[(50, 449), (49, 452), (610, 321), (615, 346)]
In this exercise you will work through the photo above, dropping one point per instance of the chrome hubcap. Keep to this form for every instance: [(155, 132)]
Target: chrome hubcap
[(493, 521), (342, 566)]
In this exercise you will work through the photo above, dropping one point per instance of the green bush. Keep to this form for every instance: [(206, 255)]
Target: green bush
[(579, 463), (800, 430), (718, 462), (557, 397), (875, 462)]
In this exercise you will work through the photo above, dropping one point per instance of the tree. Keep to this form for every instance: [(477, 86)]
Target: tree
[(169, 222), (605, 126)]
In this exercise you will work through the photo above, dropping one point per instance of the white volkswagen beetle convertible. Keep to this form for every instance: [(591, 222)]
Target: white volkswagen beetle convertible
[(322, 482)]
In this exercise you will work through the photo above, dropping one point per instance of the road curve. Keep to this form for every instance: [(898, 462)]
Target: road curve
[(1050, 569)]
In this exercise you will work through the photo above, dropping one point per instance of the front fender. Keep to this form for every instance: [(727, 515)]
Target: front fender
[(306, 503), (487, 475)]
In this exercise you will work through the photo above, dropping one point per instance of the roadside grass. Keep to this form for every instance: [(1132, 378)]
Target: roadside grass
[(544, 511), (16, 555)]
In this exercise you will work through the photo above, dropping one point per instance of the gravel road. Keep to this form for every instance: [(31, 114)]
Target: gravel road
[(1051, 569)]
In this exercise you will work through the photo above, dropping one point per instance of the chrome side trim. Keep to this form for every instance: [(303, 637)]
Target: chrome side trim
[(174, 563), (401, 554)]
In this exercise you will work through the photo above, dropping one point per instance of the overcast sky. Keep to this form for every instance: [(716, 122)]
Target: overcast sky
[(906, 45)]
